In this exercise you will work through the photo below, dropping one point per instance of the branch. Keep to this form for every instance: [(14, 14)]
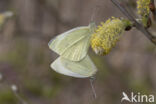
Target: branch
[(137, 25), (153, 9), (13, 88)]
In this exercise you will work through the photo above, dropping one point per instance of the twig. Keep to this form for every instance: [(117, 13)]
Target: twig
[(153, 9), (13, 88), (152, 1), (137, 25)]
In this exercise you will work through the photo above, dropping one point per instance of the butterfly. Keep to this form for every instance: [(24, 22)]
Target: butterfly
[(72, 47)]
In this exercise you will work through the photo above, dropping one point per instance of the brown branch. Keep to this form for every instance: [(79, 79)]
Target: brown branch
[(137, 25), (153, 9)]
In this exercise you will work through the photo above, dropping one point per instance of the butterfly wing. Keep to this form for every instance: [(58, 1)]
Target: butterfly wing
[(73, 44), (78, 50), (79, 69)]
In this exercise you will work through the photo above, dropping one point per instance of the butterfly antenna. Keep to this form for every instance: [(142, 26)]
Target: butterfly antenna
[(93, 15), (92, 79), (94, 12)]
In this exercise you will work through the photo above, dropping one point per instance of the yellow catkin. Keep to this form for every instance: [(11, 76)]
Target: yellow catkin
[(106, 35), (143, 7), (143, 10)]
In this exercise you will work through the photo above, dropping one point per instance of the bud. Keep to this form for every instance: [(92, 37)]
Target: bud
[(106, 35), (14, 88)]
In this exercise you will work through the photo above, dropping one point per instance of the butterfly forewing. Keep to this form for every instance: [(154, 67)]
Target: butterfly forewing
[(78, 50), (73, 44)]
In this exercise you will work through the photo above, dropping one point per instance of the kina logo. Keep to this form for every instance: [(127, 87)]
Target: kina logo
[(138, 98)]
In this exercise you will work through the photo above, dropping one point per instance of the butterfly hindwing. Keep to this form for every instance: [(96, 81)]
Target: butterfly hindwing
[(80, 69)]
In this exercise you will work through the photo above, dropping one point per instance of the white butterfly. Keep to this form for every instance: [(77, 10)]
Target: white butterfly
[(72, 46)]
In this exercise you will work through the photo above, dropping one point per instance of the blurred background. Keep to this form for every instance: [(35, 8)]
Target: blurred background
[(25, 57)]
